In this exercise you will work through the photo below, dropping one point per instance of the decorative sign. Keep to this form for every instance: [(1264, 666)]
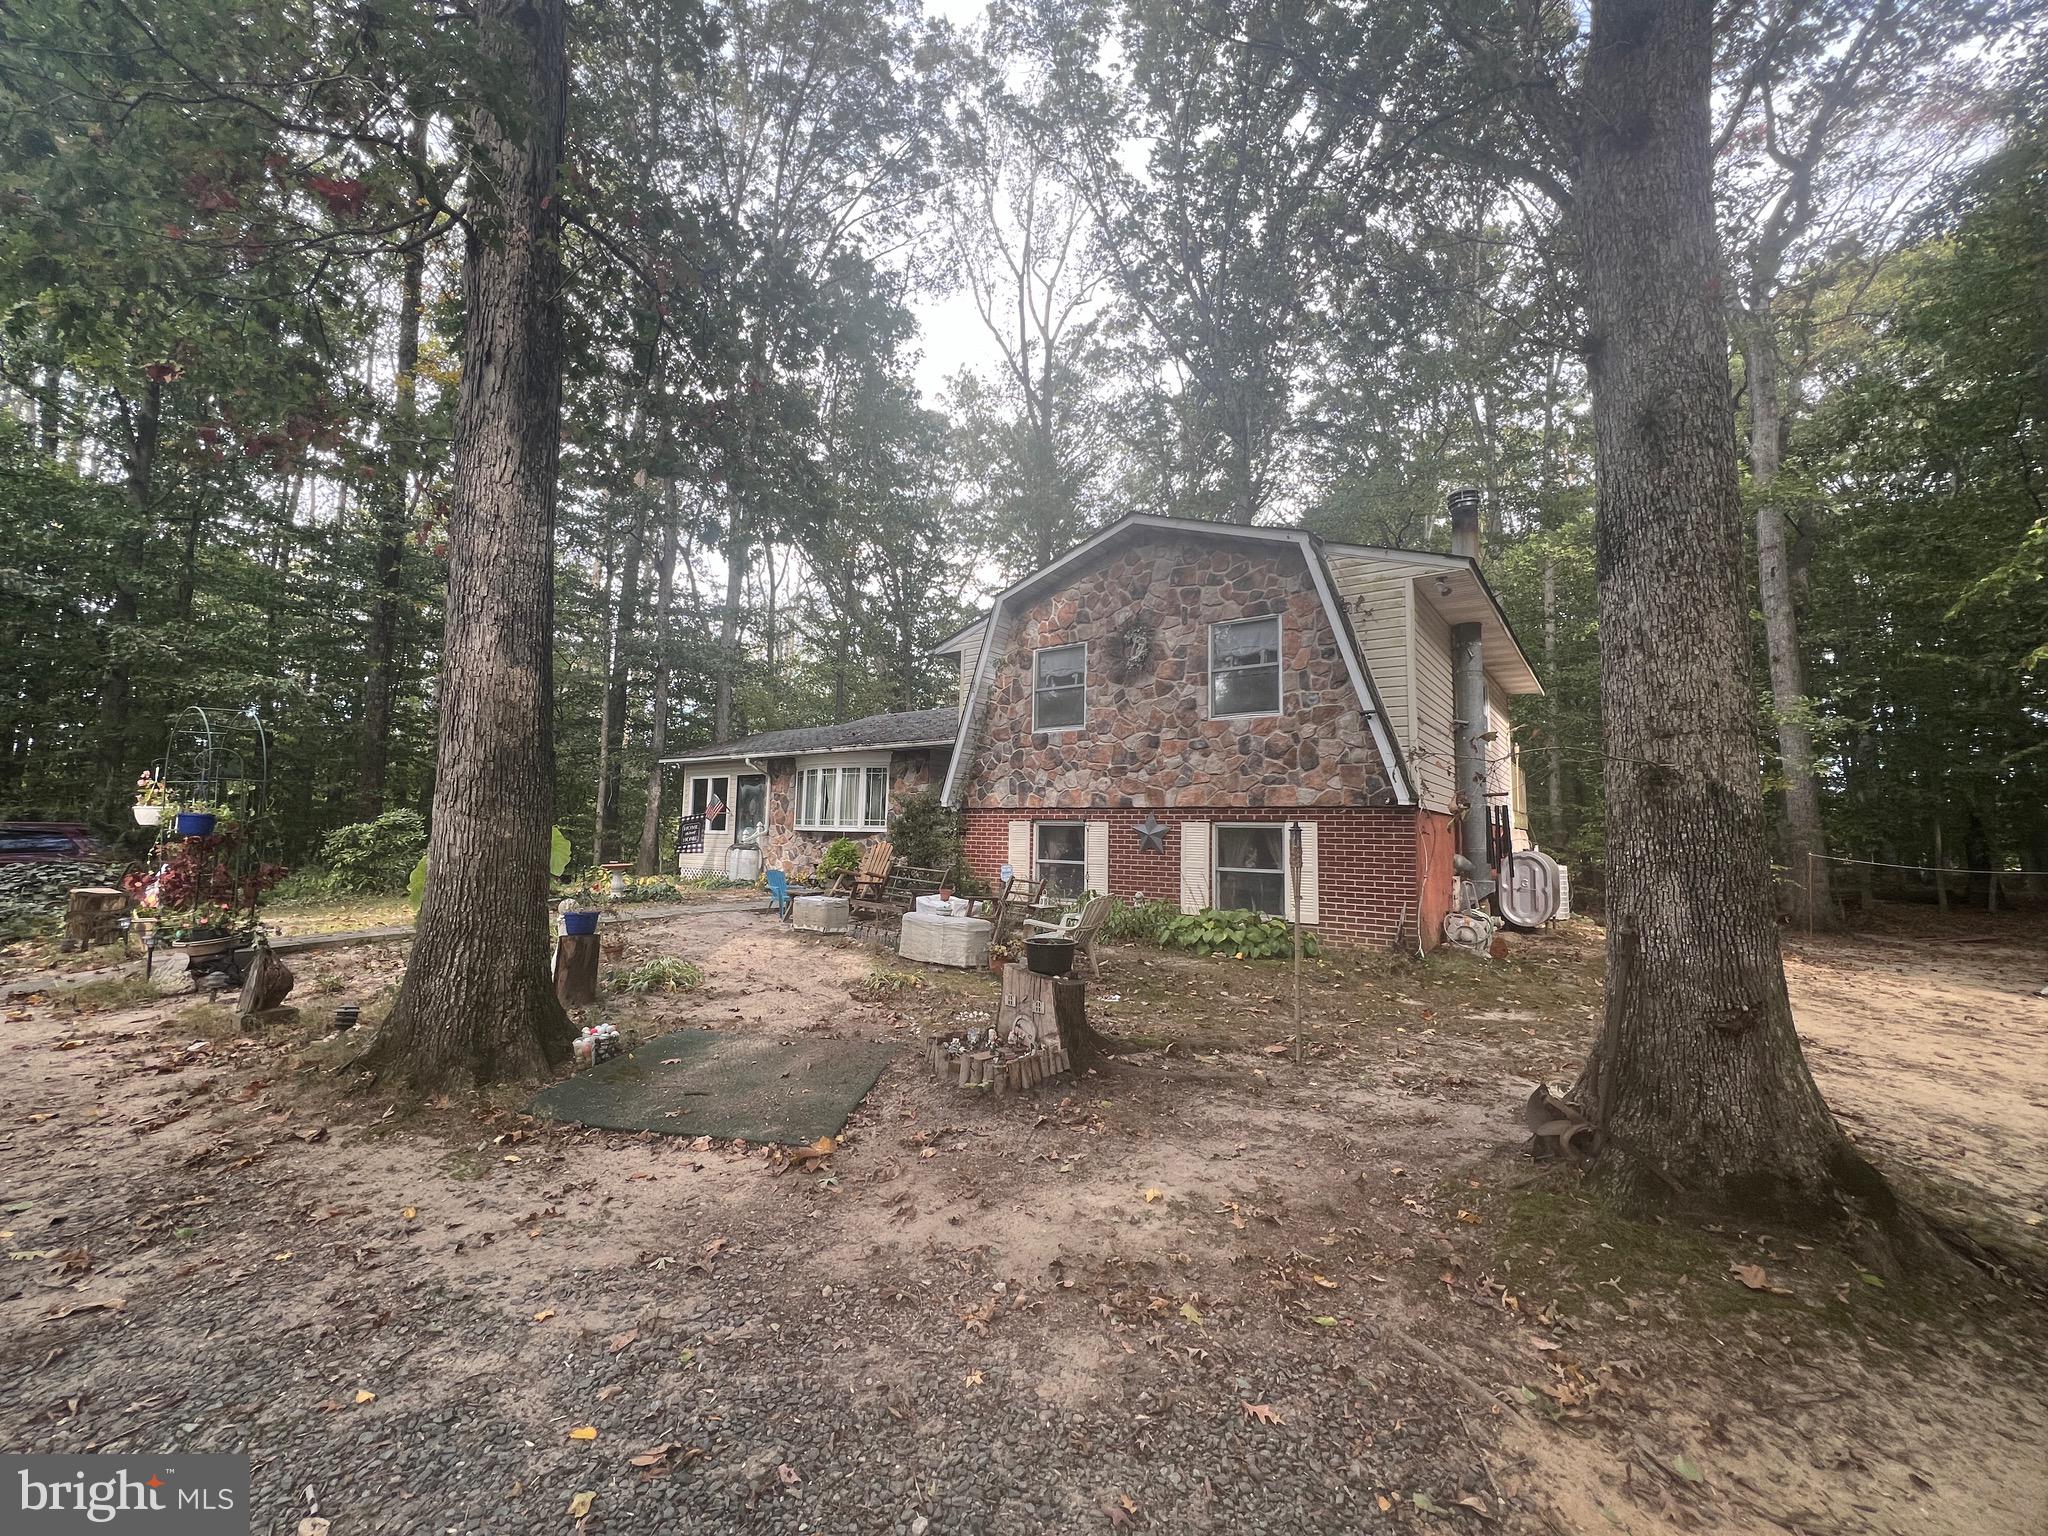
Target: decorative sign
[(690, 835), (1151, 834)]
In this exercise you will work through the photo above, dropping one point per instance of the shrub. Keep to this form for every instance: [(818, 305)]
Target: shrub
[(665, 974), (925, 833), (842, 857), (306, 883), (373, 857), (1138, 922), (1245, 935)]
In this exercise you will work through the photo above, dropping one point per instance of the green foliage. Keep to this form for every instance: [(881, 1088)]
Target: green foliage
[(558, 861), (1241, 934), (842, 857), (664, 973), (1138, 922), (926, 834), (374, 856)]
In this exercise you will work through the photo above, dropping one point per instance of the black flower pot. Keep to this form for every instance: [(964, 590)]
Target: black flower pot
[(1049, 955)]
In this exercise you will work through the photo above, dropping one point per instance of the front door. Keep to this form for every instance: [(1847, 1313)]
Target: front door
[(749, 809)]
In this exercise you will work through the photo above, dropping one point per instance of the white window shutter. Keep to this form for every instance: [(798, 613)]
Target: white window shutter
[(1310, 879), (1194, 865), (1098, 857), (1020, 849)]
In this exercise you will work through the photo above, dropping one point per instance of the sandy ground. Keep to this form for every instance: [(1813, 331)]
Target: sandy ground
[(1202, 1288)]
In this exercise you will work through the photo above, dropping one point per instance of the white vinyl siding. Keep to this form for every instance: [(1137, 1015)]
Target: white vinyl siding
[(1098, 857), (700, 780), (1194, 865), (1380, 597), (1432, 750)]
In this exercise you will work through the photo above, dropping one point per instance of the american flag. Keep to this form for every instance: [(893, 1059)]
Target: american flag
[(713, 808)]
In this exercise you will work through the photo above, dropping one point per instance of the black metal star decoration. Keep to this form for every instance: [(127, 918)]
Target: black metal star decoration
[(1151, 834)]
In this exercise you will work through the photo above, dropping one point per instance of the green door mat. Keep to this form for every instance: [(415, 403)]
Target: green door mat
[(701, 1082)]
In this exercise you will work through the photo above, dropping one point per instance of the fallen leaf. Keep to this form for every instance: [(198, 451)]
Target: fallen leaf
[(1324, 1322), (1386, 1504), (1425, 1503), (1151, 1195), (1753, 1276), (314, 1525), (543, 1314), (788, 1475), (282, 1258), (71, 1308), (1687, 1470), (1326, 1284), (513, 1157), (652, 1458), (1477, 1505), (583, 1432), (1187, 1310), (364, 1395), (580, 1505), (1262, 1413), (929, 1152), (974, 1378), (619, 1341), (410, 1213)]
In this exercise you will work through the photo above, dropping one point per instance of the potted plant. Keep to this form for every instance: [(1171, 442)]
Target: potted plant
[(578, 921), (198, 819), (149, 798)]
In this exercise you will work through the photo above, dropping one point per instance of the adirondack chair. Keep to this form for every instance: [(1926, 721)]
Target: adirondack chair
[(872, 878), (1081, 925)]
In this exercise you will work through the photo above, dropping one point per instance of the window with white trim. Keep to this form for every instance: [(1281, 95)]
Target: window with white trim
[(1059, 688), (843, 797), (1063, 858), (705, 793), (1244, 667), (1250, 873)]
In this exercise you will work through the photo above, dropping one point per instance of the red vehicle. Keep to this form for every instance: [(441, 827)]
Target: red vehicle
[(49, 842)]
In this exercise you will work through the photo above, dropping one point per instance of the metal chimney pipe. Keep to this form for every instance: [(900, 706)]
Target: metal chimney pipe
[(1465, 522)]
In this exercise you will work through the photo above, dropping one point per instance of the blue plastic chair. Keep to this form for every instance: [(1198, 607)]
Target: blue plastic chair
[(778, 890)]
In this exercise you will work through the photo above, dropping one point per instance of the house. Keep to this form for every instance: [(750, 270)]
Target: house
[(1146, 714)]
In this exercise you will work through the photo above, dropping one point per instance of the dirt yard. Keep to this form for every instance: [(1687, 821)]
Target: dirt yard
[(1201, 1288)]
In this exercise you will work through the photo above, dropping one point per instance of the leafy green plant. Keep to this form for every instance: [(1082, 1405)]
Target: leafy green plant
[(925, 834), (842, 857), (558, 860), (1241, 934), (372, 857), (665, 973), (1138, 922)]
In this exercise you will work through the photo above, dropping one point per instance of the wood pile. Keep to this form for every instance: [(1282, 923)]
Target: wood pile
[(985, 1069)]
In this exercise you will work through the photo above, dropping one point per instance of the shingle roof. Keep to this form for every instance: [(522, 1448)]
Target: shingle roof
[(912, 728)]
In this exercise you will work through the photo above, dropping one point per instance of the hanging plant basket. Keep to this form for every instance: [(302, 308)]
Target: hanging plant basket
[(149, 815), (196, 823)]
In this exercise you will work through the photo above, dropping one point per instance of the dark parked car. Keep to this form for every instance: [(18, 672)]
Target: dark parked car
[(49, 842)]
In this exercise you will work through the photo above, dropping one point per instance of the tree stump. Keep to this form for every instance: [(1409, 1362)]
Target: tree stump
[(576, 957), (92, 915)]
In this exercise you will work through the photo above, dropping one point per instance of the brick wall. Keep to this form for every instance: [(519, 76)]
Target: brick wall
[(1376, 861)]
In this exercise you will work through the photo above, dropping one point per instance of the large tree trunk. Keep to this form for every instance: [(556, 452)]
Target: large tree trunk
[(1805, 842), (380, 692), (1553, 714), (1697, 1078), (729, 621), (124, 613), (649, 859), (478, 1004), (612, 728)]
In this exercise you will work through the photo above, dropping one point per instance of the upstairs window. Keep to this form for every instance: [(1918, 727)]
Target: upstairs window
[(1244, 668), (1059, 692)]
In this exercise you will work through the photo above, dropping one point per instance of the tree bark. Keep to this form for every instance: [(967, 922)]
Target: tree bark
[(478, 1004), (649, 860), (1552, 711), (1697, 1078), (612, 728), (1803, 832), (124, 612), (380, 692), (729, 622)]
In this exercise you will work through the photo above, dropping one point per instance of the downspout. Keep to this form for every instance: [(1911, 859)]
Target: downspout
[(1468, 708)]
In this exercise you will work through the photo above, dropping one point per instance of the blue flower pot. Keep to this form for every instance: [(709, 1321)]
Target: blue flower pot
[(196, 823), (581, 923)]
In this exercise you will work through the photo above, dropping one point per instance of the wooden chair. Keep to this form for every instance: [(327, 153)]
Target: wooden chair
[(1082, 926), (1018, 895), (872, 875)]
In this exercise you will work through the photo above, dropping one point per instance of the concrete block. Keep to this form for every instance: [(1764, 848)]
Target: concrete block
[(940, 940), (822, 914)]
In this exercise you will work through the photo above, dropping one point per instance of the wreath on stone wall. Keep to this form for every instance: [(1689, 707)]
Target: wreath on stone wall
[(1132, 654)]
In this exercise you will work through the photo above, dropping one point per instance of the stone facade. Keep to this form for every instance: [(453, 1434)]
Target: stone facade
[(1144, 612), (911, 769)]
